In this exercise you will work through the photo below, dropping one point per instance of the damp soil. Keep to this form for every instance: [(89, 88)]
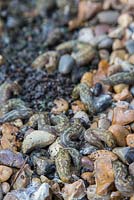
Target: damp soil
[(22, 40)]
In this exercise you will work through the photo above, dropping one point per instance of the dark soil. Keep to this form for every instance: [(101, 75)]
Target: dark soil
[(23, 39)]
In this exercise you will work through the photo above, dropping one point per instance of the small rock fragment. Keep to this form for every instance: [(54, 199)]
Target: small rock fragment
[(75, 190)]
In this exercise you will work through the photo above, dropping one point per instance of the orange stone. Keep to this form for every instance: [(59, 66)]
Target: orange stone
[(120, 133), (78, 106), (104, 175), (89, 177), (87, 78), (130, 140), (102, 154)]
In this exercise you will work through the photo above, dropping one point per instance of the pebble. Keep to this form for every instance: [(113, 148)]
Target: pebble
[(106, 44), (91, 194), (75, 190), (11, 159), (117, 54), (54, 148), (89, 177), (5, 187), (5, 173), (48, 60), (130, 140), (130, 46), (117, 33), (42, 165), (61, 105), (85, 35), (78, 106), (117, 44), (37, 139), (104, 175), (33, 192), (87, 78), (132, 90), (121, 152), (103, 123), (120, 133), (120, 87), (82, 116), (108, 17), (124, 20), (103, 154), (131, 169), (21, 182), (66, 64), (104, 54), (1, 193), (87, 162)]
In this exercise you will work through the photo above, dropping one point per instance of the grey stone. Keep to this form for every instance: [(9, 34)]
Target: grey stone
[(106, 43), (130, 46), (108, 17), (66, 64)]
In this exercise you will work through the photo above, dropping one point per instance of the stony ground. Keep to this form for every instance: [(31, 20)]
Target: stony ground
[(67, 99)]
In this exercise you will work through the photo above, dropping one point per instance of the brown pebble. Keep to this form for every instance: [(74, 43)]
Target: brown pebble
[(87, 78), (130, 140), (115, 195), (102, 154), (119, 88), (78, 106), (61, 105), (120, 133), (104, 175), (89, 177)]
